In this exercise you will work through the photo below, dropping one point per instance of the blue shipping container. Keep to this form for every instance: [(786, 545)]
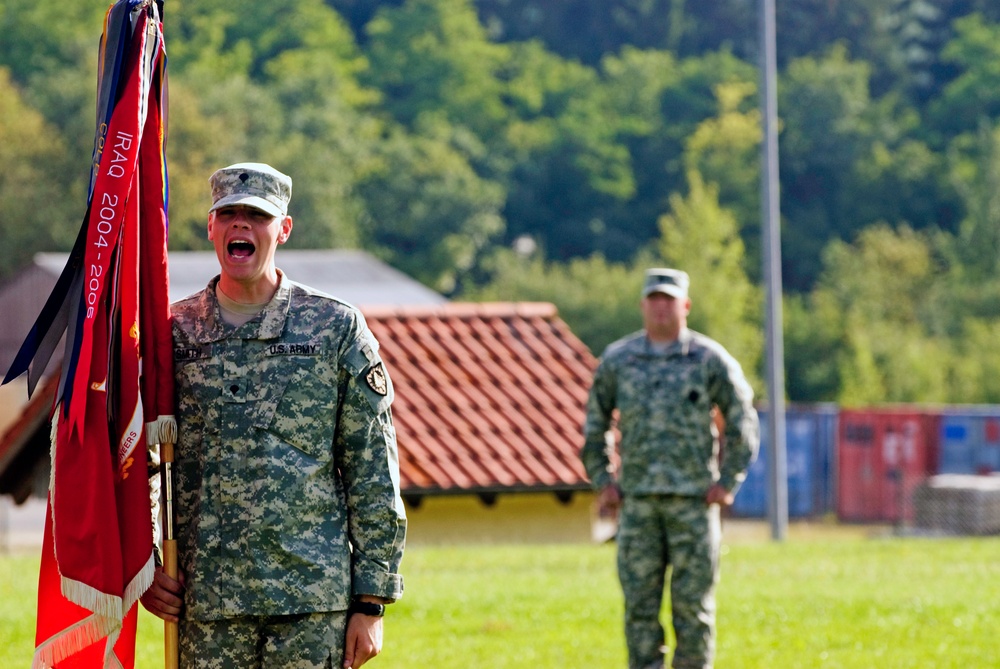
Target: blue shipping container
[(970, 440), (810, 440)]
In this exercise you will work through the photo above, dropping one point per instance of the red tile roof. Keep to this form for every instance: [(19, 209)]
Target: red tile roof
[(489, 397)]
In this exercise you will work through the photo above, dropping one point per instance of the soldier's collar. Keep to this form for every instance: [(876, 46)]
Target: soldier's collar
[(274, 314), (270, 324), (680, 345), (684, 339)]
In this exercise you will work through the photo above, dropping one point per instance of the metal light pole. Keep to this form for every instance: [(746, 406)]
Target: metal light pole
[(777, 471)]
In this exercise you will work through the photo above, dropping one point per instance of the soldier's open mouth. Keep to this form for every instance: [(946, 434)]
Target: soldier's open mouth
[(240, 249)]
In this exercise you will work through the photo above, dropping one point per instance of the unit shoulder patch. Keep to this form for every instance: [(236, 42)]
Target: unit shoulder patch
[(376, 379)]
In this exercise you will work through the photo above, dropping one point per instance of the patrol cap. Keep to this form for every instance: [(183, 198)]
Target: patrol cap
[(662, 280), (251, 184)]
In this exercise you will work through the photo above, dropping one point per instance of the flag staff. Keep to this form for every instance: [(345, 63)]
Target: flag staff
[(170, 631)]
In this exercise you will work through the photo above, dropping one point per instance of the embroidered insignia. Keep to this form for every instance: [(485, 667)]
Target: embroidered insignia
[(376, 379), (196, 353)]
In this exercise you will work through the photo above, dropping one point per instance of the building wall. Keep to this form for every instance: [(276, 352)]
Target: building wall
[(439, 521), (513, 518), (13, 397), (21, 300)]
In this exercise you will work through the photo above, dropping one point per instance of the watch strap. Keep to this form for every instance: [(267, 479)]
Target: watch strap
[(367, 608)]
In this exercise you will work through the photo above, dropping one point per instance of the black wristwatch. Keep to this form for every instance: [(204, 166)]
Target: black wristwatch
[(367, 608)]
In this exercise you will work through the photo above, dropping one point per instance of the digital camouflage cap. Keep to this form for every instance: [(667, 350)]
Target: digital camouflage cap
[(253, 185), (662, 280)]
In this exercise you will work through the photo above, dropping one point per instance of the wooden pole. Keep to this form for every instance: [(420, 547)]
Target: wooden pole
[(170, 632)]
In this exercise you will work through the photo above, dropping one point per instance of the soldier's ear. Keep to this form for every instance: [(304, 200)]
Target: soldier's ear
[(286, 229)]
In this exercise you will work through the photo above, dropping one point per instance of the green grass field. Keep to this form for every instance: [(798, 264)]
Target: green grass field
[(832, 600)]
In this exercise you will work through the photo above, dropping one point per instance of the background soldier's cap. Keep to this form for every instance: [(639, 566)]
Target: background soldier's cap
[(670, 281), (251, 184)]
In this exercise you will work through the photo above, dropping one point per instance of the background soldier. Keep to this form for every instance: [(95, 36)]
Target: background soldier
[(665, 382), (290, 526)]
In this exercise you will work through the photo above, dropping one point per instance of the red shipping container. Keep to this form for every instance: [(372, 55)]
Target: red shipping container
[(883, 455)]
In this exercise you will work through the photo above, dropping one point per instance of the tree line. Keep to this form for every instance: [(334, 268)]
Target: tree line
[(521, 149)]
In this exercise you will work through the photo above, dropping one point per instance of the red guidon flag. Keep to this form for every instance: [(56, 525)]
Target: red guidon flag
[(116, 387)]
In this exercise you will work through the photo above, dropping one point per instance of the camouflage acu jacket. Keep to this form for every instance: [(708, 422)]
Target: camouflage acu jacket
[(286, 471), (665, 398)]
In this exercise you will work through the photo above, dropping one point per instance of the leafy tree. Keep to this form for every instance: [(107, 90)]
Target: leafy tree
[(598, 300), (570, 170), (330, 137), (433, 56), (975, 93), (43, 39), (988, 9), (919, 28), (200, 45), (975, 159), (974, 377), (823, 104), (200, 140), (50, 54), (885, 275), (873, 295), (900, 178), (809, 28), (966, 295), (659, 103), (217, 40), (901, 39), (812, 337), (427, 211), (725, 150), (290, 97), (582, 30), (34, 215), (699, 28), (590, 30), (702, 238), (358, 13)]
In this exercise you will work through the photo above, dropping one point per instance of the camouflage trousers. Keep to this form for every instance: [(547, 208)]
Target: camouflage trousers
[(657, 532), (303, 641)]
